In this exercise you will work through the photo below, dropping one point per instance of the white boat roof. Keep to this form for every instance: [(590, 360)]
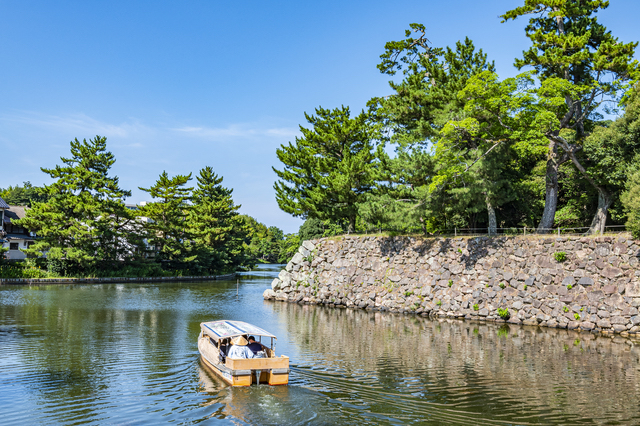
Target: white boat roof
[(223, 329)]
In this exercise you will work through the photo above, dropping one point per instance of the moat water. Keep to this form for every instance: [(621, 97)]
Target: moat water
[(127, 354)]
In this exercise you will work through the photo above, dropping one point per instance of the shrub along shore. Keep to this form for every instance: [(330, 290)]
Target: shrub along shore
[(28, 281)]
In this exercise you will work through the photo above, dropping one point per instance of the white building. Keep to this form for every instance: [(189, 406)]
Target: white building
[(12, 236)]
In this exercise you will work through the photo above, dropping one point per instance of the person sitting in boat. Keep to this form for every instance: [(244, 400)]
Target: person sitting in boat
[(253, 345), (224, 347), (239, 350)]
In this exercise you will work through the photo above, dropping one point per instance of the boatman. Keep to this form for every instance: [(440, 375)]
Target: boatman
[(254, 346), (239, 350)]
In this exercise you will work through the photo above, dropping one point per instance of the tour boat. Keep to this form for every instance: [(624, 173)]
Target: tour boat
[(265, 368)]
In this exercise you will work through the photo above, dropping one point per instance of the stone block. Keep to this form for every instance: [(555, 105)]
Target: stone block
[(632, 289), (609, 289), (587, 325), (595, 296), (569, 281), (578, 273), (604, 323), (297, 258), (275, 284), (308, 245), (573, 325), (611, 272), (619, 320), (585, 281)]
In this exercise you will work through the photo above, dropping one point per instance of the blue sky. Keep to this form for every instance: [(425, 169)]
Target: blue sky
[(178, 85)]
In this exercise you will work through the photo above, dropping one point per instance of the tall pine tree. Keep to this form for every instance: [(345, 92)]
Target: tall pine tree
[(166, 227), (329, 169), (216, 229), (582, 64), (84, 225)]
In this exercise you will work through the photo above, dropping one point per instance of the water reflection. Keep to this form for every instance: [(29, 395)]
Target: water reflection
[(127, 353), (447, 370)]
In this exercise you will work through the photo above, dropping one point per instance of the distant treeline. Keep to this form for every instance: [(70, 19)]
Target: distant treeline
[(84, 227), (473, 150)]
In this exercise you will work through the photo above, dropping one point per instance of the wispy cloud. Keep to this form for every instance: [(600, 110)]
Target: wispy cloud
[(78, 124), (237, 131)]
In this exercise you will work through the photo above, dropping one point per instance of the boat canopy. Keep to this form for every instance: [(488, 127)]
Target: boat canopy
[(223, 329)]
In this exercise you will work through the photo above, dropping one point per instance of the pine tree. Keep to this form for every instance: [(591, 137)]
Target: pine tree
[(216, 230), (329, 169), (166, 225), (582, 65), (414, 115), (84, 225), (427, 96)]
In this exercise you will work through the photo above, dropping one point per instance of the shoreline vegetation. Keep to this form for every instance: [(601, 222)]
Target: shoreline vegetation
[(109, 280)]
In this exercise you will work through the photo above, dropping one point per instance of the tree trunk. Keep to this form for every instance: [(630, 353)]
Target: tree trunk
[(551, 195), (493, 223), (600, 218), (352, 225)]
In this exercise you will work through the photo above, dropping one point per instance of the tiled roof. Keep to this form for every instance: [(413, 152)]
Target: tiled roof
[(3, 205), (15, 213)]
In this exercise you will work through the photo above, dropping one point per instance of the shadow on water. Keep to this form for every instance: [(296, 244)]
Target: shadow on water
[(127, 353)]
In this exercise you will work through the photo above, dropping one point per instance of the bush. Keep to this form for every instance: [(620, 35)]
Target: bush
[(560, 256), (22, 271), (631, 202), (503, 313)]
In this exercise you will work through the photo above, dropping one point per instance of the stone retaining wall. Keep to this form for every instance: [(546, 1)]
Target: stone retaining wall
[(22, 281), (521, 280)]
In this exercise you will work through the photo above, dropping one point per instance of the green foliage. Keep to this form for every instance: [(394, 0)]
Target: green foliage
[(166, 226), (439, 302), (581, 66), (503, 313), (313, 228), (569, 287), (84, 225), (525, 287), (565, 309), (450, 283), (476, 306), (422, 103), (631, 201), (576, 316), (216, 230), (408, 293), (328, 169), (289, 247), (560, 256), (264, 244), (23, 195), (503, 286)]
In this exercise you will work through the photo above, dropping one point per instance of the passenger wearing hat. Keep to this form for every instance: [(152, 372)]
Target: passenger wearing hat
[(239, 350)]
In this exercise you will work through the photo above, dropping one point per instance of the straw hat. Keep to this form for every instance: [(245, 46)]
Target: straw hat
[(240, 341)]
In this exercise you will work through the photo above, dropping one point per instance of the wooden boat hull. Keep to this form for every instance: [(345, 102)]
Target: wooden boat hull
[(242, 372)]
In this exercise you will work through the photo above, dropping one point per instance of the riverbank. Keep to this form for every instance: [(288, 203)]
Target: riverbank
[(29, 281), (584, 283)]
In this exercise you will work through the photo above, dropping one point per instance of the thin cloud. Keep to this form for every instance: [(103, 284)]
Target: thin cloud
[(236, 131), (80, 124)]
